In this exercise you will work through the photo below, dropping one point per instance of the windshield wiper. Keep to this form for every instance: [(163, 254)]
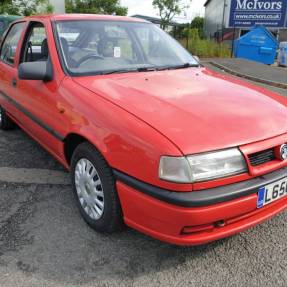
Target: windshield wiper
[(183, 66), (120, 71), (149, 69)]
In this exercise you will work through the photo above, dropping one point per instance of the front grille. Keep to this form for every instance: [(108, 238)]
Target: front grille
[(262, 157)]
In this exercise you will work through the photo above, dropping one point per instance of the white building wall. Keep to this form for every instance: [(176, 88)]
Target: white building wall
[(214, 13), (59, 6)]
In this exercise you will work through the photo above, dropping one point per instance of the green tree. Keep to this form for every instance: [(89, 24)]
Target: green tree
[(26, 7), (7, 7), (168, 9), (198, 23), (96, 7)]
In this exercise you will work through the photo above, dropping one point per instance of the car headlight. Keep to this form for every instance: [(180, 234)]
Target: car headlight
[(201, 167), (175, 169)]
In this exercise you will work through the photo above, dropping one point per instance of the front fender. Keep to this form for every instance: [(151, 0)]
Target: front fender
[(127, 143)]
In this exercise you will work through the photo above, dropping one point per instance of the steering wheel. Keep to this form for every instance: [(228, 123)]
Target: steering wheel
[(87, 57)]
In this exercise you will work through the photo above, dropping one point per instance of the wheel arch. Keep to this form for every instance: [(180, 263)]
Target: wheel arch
[(71, 142)]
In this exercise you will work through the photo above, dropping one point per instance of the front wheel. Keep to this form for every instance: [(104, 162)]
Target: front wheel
[(5, 122), (94, 190)]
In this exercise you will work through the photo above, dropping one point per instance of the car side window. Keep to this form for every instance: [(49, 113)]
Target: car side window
[(36, 45), (11, 42)]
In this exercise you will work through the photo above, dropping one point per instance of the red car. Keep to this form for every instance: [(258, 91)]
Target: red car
[(152, 139)]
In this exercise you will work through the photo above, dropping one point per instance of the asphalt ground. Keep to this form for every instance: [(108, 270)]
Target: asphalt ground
[(274, 76), (44, 241), (272, 88)]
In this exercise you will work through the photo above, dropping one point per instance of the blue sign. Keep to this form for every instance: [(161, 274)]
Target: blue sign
[(248, 13)]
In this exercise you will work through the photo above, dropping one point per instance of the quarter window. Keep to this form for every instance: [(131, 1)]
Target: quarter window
[(11, 42)]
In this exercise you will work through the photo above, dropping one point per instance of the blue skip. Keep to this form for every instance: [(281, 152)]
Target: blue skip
[(258, 45)]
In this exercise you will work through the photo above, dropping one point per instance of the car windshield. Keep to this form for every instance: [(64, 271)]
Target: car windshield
[(106, 47)]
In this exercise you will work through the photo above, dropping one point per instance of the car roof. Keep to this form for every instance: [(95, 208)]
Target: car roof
[(10, 17), (66, 17)]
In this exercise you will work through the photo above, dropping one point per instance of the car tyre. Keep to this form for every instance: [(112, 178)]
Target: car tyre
[(5, 122), (95, 191)]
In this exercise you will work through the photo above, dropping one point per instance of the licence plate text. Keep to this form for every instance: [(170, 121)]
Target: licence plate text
[(272, 192)]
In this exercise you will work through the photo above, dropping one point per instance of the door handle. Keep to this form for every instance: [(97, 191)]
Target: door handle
[(14, 82)]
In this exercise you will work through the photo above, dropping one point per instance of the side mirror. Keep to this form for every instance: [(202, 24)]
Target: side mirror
[(41, 71)]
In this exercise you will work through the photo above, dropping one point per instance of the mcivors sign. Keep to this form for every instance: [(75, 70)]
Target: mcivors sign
[(247, 13)]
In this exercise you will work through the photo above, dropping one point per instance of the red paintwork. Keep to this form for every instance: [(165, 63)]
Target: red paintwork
[(133, 119), (166, 222), (200, 106)]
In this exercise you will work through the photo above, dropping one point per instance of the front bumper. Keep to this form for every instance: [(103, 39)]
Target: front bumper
[(209, 214)]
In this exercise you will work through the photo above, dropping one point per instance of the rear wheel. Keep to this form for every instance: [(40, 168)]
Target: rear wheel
[(94, 190), (5, 122)]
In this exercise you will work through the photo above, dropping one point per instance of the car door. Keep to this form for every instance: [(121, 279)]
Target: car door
[(38, 99), (8, 67)]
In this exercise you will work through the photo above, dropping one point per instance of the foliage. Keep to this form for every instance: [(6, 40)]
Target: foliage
[(187, 29), (191, 36), (50, 8), (168, 9), (204, 48), (6, 7), (26, 7), (191, 33), (197, 23), (96, 7), (181, 30)]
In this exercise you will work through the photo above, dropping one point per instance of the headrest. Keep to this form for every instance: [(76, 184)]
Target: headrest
[(44, 48)]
